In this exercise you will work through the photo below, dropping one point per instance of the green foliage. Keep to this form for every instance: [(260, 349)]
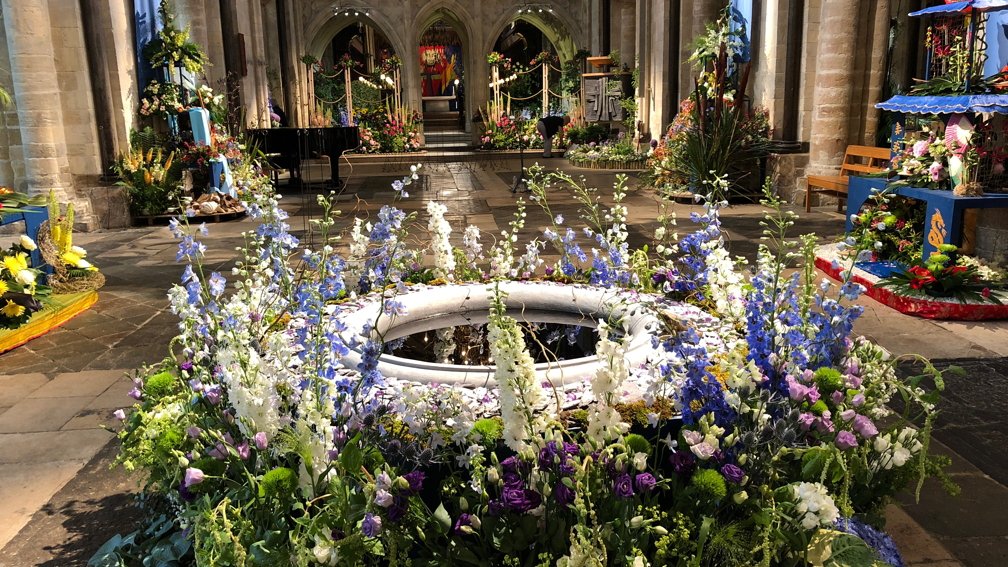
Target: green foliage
[(637, 443), (587, 133)]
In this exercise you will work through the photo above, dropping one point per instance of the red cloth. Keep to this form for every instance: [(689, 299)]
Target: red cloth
[(919, 307)]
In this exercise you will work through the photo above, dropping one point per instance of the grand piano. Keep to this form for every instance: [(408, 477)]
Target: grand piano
[(289, 147)]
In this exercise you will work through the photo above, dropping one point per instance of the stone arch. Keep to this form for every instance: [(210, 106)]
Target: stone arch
[(555, 25), (322, 34), (459, 18)]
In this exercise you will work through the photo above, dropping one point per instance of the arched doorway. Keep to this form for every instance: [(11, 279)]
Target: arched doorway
[(442, 64)]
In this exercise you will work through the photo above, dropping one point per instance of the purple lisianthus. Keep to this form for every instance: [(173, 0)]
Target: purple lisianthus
[(193, 476), (513, 480), (212, 394), (682, 462), (511, 464), (371, 525), (415, 480), (846, 440), (119, 414), (732, 473), (645, 482), (135, 393), (398, 508), (563, 494), (623, 487), (865, 427), (520, 499), (464, 521), (243, 450), (193, 432), (187, 365)]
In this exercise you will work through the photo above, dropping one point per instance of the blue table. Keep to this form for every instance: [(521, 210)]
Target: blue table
[(943, 215), (33, 217)]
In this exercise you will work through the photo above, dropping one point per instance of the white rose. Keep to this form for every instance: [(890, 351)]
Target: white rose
[(27, 243), (26, 277)]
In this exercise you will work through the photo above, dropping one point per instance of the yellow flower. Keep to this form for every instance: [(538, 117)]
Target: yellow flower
[(72, 258), (16, 263), (3, 287), (12, 310)]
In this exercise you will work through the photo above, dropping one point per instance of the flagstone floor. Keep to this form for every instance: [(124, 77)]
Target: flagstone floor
[(59, 501)]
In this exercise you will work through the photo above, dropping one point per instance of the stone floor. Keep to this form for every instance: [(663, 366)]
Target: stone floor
[(58, 391)]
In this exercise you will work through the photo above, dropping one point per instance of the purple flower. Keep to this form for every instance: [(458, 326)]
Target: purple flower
[(398, 508), (513, 480), (846, 440), (135, 393), (383, 498), (371, 525), (243, 450), (464, 521), (193, 476), (119, 414), (520, 499), (194, 432), (645, 482), (563, 494), (623, 487), (510, 464), (865, 427), (682, 462), (732, 473), (187, 365), (260, 440), (212, 394), (415, 480)]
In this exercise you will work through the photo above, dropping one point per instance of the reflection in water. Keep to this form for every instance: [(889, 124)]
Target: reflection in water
[(467, 344)]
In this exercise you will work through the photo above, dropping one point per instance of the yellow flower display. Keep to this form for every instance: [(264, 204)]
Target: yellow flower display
[(15, 263), (12, 310)]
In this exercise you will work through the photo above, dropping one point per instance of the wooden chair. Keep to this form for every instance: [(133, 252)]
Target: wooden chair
[(857, 160)]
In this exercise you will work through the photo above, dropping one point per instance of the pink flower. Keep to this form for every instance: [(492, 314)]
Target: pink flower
[(193, 476), (936, 170), (858, 400), (806, 420), (260, 440), (920, 148), (119, 414), (243, 450)]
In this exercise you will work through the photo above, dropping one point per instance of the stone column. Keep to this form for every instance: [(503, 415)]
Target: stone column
[(101, 89), (705, 12), (876, 68), (37, 95), (628, 32), (834, 79)]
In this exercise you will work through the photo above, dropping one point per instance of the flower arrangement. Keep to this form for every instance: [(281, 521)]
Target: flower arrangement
[(20, 284), (173, 47), (940, 276), (616, 154), (144, 177), (161, 99), (496, 58), (510, 133), (924, 163), (13, 202), (889, 228), (759, 428)]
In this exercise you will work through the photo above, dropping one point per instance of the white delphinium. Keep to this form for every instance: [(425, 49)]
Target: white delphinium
[(440, 231), (518, 388), (502, 254), (471, 244), (895, 449), (358, 251), (530, 261), (604, 422), (726, 284), (814, 505)]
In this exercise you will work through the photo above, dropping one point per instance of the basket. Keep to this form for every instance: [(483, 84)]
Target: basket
[(61, 281)]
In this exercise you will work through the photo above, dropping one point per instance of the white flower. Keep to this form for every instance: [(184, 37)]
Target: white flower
[(814, 506), (78, 251), (27, 243), (640, 461), (25, 278)]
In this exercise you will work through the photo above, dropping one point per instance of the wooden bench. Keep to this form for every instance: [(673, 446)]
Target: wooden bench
[(857, 159)]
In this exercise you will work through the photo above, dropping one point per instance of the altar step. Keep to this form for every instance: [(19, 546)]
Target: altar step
[(453, 139), (440, 121)]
